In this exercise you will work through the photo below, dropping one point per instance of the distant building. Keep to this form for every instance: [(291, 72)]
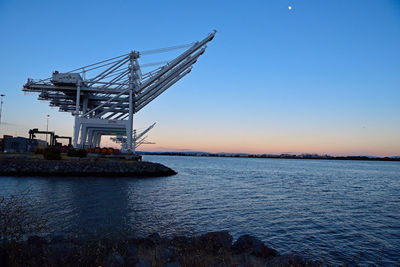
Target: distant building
[(2, 141), (22, 144)]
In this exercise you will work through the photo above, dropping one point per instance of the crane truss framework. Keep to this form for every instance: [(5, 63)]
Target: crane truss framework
[(105, 103)]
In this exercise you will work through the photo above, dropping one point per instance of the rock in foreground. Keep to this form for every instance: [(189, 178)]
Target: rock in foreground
[(211, 249)]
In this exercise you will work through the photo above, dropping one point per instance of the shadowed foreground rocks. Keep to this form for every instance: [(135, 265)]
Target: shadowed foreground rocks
[(211, 249), (82, 168)]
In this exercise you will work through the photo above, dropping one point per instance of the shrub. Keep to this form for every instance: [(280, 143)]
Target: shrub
[(52, 153), (39, 150), (77, 153), (18, 217)]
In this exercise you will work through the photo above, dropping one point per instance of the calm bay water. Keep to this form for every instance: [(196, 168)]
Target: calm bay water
[(336, 211)]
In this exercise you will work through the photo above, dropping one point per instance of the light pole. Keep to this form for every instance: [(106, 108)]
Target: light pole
[(1, 105), (47, 127)]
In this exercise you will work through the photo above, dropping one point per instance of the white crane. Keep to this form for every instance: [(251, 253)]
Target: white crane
[(104, 96)]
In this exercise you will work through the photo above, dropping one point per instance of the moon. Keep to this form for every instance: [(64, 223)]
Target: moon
[(290, 7)]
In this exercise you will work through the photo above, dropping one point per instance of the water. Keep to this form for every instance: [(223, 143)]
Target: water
[(336, 211)]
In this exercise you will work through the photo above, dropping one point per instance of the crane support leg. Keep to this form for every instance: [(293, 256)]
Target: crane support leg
[(130, 123), (76, 131), (77, 121), (84, 132)]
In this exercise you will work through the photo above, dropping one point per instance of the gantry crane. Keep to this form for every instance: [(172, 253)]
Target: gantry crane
[(53, 136), (34, 131), (69, 138), (104, 96), (138, 138)]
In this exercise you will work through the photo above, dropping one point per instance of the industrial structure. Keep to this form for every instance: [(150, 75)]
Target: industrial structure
[(1, 105), (53, 136), (137, 140), (21, 144), (104, 96)]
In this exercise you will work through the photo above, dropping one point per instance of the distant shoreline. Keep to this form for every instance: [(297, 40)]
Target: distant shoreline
[(282, 156)]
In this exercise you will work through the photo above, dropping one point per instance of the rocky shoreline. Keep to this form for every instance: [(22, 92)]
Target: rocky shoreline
[(82, 168), (210, 249)]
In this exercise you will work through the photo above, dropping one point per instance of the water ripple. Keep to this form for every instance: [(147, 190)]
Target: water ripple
[(336, 211)]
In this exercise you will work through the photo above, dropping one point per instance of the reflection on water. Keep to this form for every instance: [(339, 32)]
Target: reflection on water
[(336, 210)]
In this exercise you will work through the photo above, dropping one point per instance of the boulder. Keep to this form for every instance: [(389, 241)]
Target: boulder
[(214, 241), (3, 257), (143, 263), (146, 243), (114, 260), (36, 241), (173, 264), (58, 239), (254, 246), (155, 238), (166, 255), (132, 254), (180, 241)]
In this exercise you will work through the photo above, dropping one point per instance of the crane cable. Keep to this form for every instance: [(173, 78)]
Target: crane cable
[(166, 49), (146, 52)]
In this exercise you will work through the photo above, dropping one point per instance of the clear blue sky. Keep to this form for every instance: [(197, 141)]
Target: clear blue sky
[(323, 77)]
